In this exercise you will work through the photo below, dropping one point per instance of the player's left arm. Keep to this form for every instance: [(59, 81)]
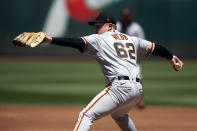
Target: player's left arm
[(164, 52), (77, 43), (87, 44)]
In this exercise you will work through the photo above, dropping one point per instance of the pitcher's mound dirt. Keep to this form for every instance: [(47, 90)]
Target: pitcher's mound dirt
[(23, 118)]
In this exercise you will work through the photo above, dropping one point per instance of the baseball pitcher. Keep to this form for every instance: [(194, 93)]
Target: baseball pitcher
[(119, 55)]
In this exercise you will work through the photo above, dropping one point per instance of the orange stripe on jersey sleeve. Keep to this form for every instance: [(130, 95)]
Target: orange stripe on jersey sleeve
[(86, 42), (92, 106), (151, 50)]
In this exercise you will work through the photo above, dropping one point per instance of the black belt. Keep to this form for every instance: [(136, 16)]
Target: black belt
[(127, 78)]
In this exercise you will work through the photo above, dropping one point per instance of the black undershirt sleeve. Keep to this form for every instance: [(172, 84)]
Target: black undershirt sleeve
[(162, 51), (76, 43)]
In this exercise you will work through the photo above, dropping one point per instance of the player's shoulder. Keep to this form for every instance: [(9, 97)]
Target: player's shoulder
[(92, 36), (105, 34)]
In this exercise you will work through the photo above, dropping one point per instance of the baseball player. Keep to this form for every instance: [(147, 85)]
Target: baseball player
[(118, 54)]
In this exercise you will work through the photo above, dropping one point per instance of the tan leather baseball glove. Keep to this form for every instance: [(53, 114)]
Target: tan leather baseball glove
[(29, 39)]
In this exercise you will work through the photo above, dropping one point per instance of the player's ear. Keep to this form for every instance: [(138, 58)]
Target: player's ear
[(110, 26)]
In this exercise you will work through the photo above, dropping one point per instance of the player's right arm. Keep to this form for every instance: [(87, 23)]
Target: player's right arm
[(146, 48), (173, 60)]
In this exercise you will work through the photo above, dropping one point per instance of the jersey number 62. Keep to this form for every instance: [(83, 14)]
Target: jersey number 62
[(125, 51)]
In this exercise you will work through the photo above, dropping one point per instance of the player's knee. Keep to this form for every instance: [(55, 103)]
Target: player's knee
[(91, 115), (120, 117), (84, 113)]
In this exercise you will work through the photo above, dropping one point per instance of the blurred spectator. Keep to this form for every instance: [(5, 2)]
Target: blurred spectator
[(128, 26)]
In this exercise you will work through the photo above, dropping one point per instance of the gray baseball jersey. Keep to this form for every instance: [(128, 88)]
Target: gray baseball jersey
[(118, 53)]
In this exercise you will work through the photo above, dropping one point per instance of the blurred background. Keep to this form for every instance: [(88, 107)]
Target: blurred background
[(62, 76)]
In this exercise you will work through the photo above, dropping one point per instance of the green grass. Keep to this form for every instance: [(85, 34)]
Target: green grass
[(163, 86), (74, 83)]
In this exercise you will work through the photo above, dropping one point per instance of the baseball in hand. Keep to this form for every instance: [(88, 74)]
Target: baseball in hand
[(177, 66)]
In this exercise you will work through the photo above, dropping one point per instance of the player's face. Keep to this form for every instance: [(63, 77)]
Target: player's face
[(100, 28)]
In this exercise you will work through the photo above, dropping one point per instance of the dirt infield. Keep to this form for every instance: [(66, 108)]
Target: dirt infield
[(21, 118)]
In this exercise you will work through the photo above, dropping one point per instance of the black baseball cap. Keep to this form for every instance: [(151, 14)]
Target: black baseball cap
[(103, 17)]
